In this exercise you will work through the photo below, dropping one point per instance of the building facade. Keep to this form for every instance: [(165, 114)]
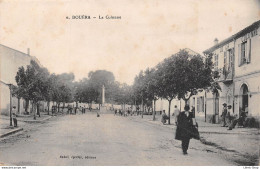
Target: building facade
[(238, 62), (10, 61)]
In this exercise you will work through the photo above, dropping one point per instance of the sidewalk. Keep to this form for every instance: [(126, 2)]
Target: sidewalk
[(6, 129), (243, 142), (22, 120)]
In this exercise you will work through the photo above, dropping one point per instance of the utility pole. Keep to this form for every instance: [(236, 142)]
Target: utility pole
[(10, 87)]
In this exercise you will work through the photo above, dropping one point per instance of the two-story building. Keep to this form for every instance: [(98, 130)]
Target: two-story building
[(238, 62)]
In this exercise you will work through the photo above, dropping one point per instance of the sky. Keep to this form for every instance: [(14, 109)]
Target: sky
[(148, 31)]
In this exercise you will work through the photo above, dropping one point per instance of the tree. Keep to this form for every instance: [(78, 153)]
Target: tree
[(192, 74), (62, 88), (152, 87), (168, 83), (99, 78), (31, 83)]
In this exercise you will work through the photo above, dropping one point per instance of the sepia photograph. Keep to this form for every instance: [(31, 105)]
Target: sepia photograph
[(129, 83)]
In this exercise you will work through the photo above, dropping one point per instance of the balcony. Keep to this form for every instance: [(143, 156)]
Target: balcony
[(226, 75)]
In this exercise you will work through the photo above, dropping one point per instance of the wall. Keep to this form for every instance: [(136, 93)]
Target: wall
[(10, 61)]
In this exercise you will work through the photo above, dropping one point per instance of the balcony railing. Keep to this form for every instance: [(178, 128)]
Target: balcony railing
[(226, 75)]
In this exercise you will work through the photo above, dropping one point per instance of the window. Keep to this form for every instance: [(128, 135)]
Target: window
[(254, 33), (230, 58), (225, 60), (244, 52), (216, 62)]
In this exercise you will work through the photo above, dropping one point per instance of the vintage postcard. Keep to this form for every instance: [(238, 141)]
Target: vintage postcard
[(129, 83)]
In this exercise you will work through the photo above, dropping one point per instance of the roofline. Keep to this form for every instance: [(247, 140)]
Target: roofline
[(192, 51), (15, 50), (30, 56), (233, 37)]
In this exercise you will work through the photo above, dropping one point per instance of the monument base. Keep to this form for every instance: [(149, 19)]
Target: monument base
[(103, 109)]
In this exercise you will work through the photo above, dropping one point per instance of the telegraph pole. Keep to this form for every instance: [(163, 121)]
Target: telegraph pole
[(10, 87)]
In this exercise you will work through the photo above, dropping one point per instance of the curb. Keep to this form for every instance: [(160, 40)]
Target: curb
[(11, 132), (37, 121)]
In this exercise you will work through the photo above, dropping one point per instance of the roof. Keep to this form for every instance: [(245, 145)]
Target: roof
[(235, 36), (25, 54), (191, 52)]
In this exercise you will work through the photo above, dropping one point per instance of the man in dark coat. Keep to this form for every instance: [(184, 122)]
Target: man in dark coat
[(184, 128)]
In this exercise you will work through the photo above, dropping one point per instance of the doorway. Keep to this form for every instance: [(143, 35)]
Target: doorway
[(243, 99)]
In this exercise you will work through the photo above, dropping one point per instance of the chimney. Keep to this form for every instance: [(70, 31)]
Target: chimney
[(28, 51), (215, 41)]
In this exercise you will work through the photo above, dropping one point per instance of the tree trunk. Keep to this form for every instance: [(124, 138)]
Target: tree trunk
[(48, 105), (38, 109), (169, 111), (58, 107), (63, 107), (143, 108), (18, 106), (26, 106), (33, 110), (154, 101)]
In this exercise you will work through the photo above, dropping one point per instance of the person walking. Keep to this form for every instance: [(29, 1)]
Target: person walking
[(224, 115), (176, 113), (184, 128)]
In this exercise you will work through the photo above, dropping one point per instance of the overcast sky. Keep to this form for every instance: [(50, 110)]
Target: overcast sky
[(148, 32)]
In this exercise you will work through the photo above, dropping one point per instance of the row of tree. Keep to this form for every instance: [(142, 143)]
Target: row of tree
[(180, 76), (36, 84)]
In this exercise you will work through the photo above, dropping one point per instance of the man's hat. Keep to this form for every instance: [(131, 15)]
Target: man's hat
[(224, 104)]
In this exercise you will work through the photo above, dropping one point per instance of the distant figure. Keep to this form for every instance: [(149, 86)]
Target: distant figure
[(75, 110), (233, 120), (164, 117), (193, 111), (176, 113), (98, 115), (138, 108), (242, 117), (14, 116), (229, 114), (224, 114), (84, 109), (70, 109), (115, 111), (238, 119)]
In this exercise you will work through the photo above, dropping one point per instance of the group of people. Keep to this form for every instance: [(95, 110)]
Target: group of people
[(120, 112), (74, 110), (231, 119)]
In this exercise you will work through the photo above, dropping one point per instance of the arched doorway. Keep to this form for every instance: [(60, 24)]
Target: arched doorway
[(243, 98), (216, 108)]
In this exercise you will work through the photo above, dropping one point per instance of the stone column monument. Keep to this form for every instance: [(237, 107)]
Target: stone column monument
[(103, 106), (103, 95)]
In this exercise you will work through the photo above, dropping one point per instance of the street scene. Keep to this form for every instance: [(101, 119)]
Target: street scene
[(70, 140), (171, 84)]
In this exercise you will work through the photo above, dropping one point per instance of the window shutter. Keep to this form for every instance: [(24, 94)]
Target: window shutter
[(248, 55), (239, 54)]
